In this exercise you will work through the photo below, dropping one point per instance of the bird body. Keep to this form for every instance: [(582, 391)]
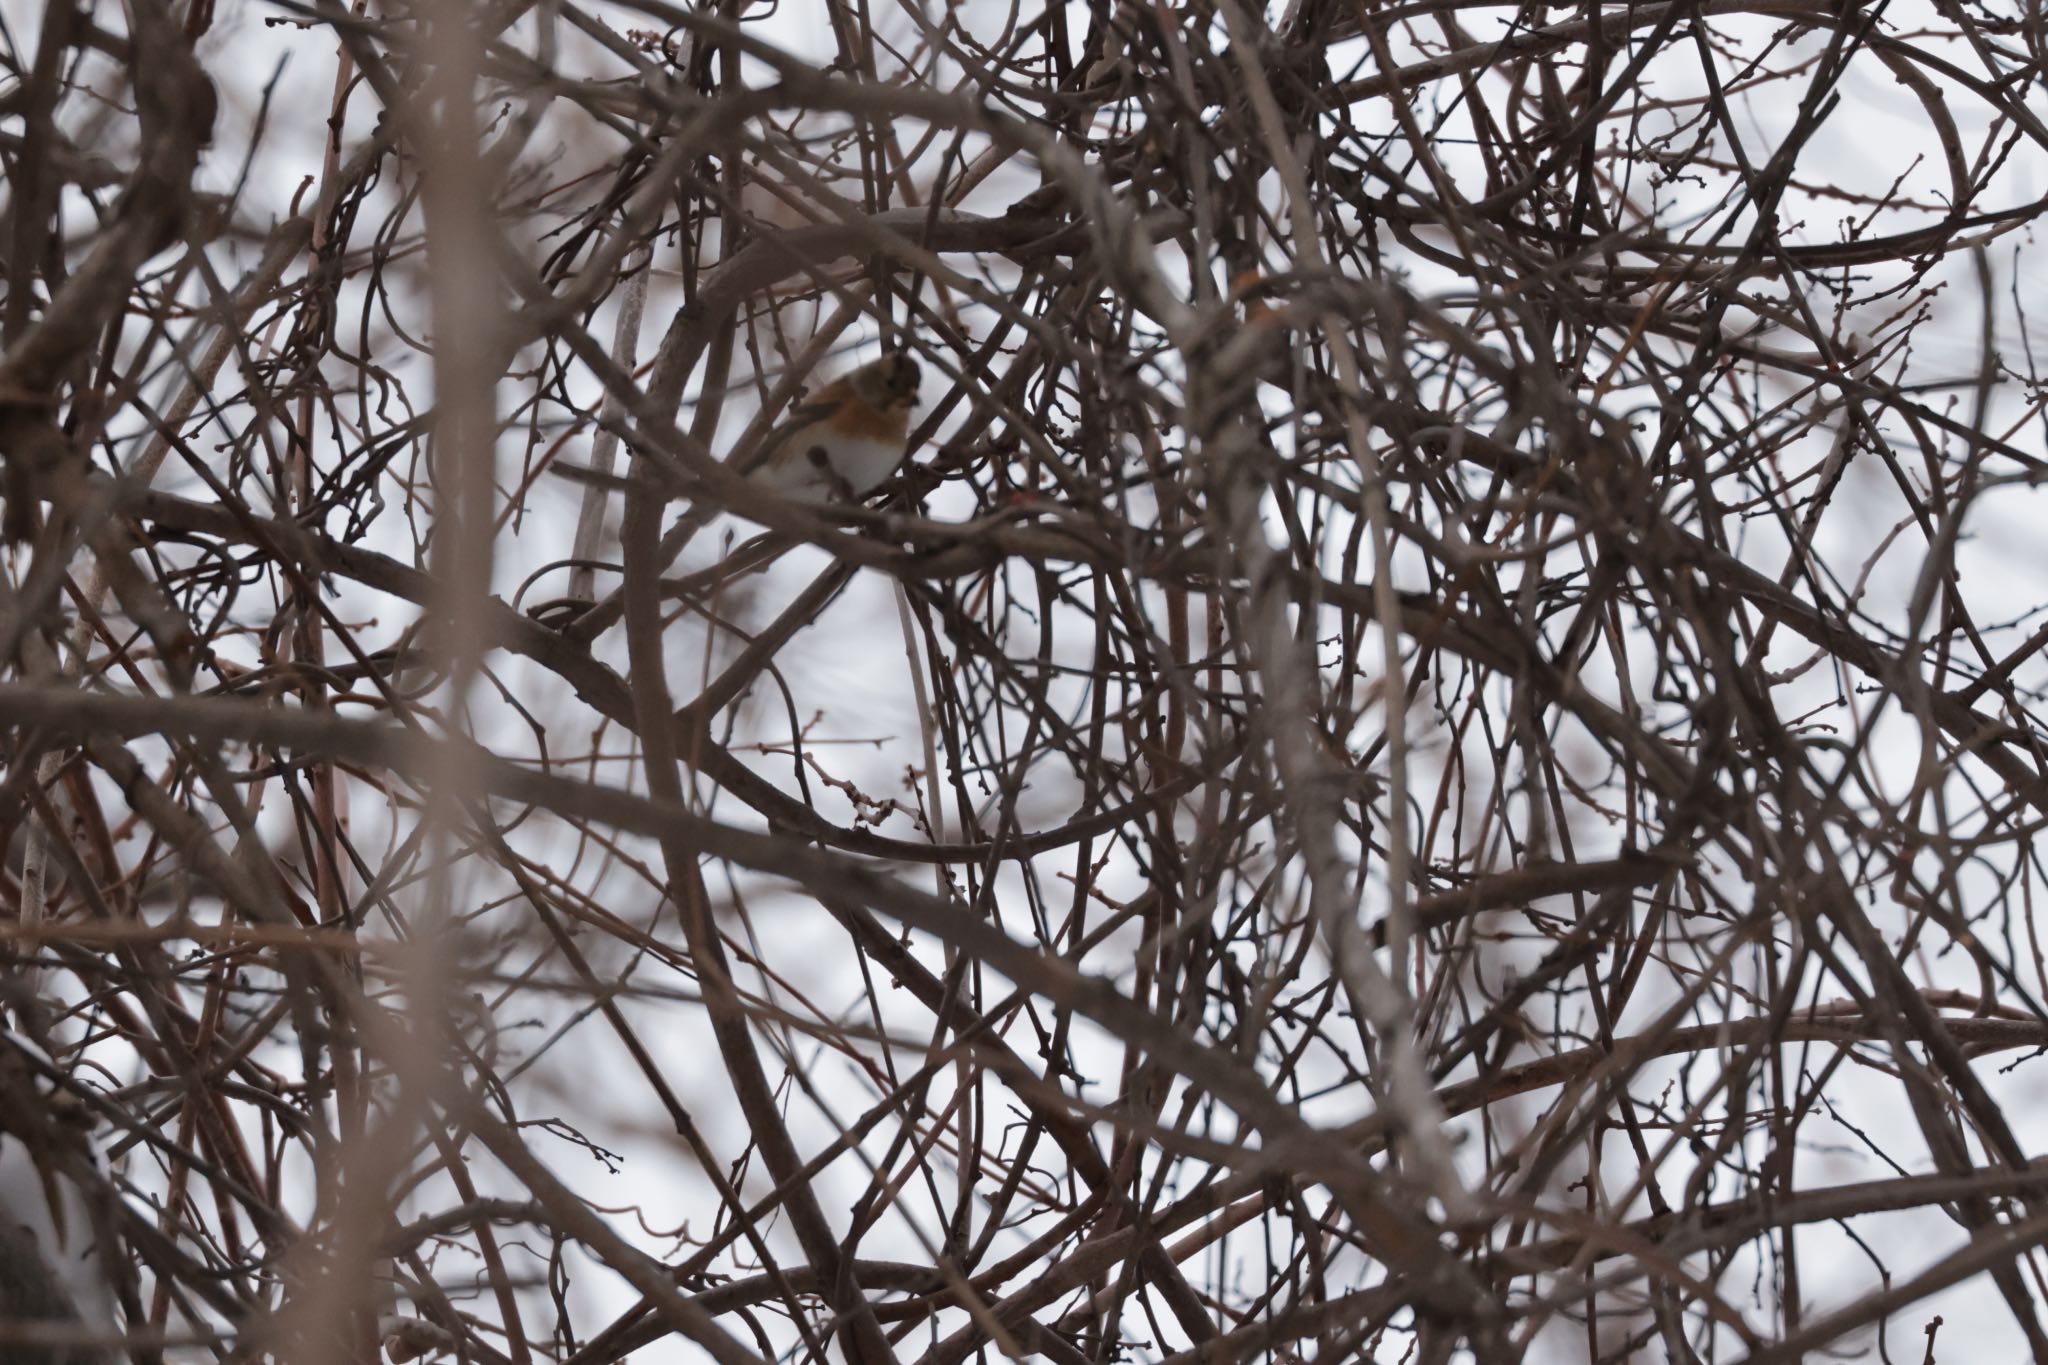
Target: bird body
[(845, 440)]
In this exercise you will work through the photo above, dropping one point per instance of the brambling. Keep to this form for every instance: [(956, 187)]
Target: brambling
[(840, 444), (843, 441)]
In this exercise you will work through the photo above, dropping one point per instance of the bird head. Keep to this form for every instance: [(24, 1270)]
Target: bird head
[(889, 384)]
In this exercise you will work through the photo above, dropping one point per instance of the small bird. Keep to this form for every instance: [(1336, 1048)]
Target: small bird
[(838, 445), (842, 442)]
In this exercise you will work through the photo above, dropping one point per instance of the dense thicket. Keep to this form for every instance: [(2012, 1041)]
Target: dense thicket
[(1435, 755)]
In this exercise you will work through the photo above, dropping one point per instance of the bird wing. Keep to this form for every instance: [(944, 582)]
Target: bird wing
[(814, 409)]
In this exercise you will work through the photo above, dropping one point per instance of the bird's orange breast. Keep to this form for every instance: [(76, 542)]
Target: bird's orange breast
[(863, 421)]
